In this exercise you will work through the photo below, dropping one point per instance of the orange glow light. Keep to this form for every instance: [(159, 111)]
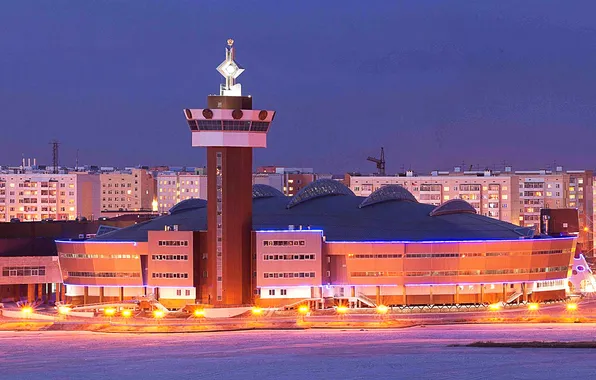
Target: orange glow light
[(199, 313), (342, 309), (533, 307), (303, 309), (110, 311), (126, 313), (571, 307), (382, 309)]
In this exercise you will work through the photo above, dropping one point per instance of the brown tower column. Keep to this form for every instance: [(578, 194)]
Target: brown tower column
[(229, 221)]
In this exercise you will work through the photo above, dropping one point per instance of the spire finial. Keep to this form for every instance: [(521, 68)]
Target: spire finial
[(230, 70)]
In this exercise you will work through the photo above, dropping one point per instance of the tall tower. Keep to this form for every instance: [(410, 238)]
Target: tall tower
[(229, 128)]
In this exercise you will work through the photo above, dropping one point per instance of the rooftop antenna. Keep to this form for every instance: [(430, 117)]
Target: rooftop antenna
[(77, 162), (55, 145), (380, 162)]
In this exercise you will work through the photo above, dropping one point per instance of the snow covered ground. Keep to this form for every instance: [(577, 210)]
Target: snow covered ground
[(415, 353)]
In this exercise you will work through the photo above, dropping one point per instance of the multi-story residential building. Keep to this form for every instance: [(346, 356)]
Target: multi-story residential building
[(294, 178), (514, 197), (491, 195), (127, 190), (174, 187), (43, 196)]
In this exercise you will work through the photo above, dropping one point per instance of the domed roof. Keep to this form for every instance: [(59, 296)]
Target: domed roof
[(454, 206), (319, 188), (388, 193), (265, 191), (188, 204)]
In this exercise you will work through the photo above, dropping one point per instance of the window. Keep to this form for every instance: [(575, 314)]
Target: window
[(271, 292), (283, 242), (283, 292), (178, 292)]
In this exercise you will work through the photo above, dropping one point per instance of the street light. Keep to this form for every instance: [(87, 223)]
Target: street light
[(199, 313), (303, 310), (533, 307), (109, 312), (126, 313), (341, 310), (382, 309), (63, 310), (27, 310), (494, 307), (158, 314), (571, 307)]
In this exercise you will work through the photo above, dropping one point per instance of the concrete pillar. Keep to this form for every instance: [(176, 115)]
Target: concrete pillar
[(405, 296), (121, 293), (378, 291), (85, 295), (525, 291), (352, 291), (505, 293), (430, 296), (16, 292), (58, 293), (39, 292), (481, 293), (456, 295), (156, 292), (30, 292), (101, 294), (44, 293)]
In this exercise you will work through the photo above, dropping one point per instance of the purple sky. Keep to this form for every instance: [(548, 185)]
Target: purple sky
[(436, 83)]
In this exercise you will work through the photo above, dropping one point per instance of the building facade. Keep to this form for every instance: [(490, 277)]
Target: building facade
[(127, 190), (43, 196)]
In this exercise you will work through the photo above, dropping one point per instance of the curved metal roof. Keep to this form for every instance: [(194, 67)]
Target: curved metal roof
[(188, 204), (265, 191), (388, 193), (454, 206), (319, 188), (341, 219)]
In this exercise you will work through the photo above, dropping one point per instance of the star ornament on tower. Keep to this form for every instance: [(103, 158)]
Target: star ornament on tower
[(229, 69)]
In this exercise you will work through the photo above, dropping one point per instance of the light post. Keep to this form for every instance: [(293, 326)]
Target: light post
[(341, 311), (256, 312), (27, 311), (571, 307), (158, 314), (303, 310), (382, 310), (199, 314), (64, 310), (109, 312), (126, 313)]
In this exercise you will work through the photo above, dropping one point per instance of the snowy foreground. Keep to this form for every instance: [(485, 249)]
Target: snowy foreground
[(414, 353)]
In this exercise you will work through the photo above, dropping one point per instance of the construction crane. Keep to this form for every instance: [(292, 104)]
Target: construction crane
[(380, 163)]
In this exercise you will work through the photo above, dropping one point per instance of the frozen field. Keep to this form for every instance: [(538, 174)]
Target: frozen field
[(416, 353)]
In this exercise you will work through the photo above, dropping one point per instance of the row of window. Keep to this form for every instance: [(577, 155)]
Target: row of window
[(289, 257), (545, 284), (289, 275), (458, 273), (376, 256), (23, 271), (97, 256), (169, 275), (283, 242), (169, 257), (443, 255), (105, 274), (177, 243)]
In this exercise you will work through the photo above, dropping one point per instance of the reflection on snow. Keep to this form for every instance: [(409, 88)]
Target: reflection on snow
[(420, 352)]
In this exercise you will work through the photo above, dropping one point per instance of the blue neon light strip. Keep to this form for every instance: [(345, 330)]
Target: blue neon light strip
[(94, 242), (408, 285)]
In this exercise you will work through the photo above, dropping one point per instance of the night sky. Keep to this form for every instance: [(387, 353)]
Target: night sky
[(436, 83)]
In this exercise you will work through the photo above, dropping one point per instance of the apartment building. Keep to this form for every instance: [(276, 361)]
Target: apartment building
[(294, 179), (511, 196), (127, 190), (493, 196), (174, 187), (44, 196)]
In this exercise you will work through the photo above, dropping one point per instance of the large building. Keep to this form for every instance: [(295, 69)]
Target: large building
[(324, 246), (43, 196), (294, 179)]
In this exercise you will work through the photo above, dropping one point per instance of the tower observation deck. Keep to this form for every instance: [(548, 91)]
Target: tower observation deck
[(229, 128)]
